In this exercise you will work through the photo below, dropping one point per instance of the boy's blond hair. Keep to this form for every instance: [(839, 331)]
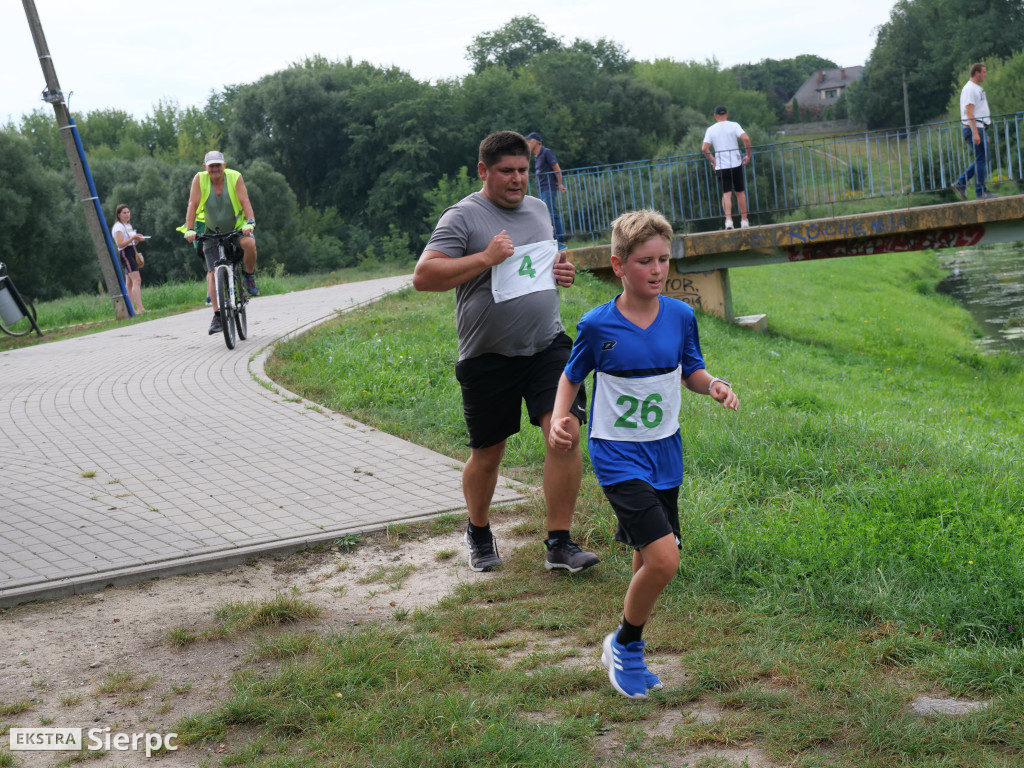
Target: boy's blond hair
[(633, 229)]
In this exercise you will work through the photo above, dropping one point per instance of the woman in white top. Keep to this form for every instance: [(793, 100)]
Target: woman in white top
[(126, 237)]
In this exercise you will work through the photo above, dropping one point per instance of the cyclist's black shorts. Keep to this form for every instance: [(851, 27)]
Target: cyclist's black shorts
[(231, 248)]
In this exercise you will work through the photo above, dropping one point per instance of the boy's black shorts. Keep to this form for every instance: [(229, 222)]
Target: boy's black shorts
[(645, 513), (495, 386)]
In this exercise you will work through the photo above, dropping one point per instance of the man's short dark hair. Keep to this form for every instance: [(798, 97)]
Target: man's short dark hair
[(501, 144), (976, 68)]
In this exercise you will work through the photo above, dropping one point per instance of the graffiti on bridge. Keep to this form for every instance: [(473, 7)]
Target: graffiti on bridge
[(959, 237), (804, 232), (683, 288)]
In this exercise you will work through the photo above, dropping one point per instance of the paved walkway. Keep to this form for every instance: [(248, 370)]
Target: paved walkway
[(153, 450)]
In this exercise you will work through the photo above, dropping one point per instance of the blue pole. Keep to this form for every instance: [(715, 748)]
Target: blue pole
[(99, 213)]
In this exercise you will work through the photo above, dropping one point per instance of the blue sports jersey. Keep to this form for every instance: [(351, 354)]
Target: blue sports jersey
[(608, 343)]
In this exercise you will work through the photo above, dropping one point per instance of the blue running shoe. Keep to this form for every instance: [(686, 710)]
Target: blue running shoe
[(652, 680), (626, 668)]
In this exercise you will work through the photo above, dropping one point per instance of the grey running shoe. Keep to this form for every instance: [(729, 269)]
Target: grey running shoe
[(565, 554), (986, 195), (215, 325), (250, 284), (482, 557), (961, 191)]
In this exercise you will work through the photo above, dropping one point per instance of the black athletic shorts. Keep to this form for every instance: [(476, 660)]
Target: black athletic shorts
[(732, 179), (495, 386), (645, 513)]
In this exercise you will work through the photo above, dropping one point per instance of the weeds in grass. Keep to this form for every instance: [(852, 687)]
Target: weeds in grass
[(8, 709), (347, 543), (281, 609), (179, 637)]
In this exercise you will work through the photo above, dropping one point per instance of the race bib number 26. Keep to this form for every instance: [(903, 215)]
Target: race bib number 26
[(636, 410)]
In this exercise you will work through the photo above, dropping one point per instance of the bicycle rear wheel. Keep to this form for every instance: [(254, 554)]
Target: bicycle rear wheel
[(227, 314)]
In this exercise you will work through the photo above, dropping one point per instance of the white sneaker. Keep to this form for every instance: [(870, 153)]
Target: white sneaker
[(744, 224), (728, 224)]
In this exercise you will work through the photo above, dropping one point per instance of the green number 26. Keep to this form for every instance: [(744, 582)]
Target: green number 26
[(650, 414)]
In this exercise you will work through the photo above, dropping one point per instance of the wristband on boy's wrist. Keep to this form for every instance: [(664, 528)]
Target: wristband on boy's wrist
[(714, 379)]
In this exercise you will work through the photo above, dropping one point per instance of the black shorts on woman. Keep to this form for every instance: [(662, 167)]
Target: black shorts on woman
[(495, 386), (128, 263)]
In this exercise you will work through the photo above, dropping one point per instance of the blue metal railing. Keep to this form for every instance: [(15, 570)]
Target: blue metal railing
[(788, 175)]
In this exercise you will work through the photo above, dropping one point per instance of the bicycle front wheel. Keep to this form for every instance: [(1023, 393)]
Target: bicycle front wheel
[(241, 323), (227, 312)]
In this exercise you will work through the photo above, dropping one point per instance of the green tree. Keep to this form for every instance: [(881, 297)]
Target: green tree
[(931, 41), (43, 237), (40, 128), (512, 46)]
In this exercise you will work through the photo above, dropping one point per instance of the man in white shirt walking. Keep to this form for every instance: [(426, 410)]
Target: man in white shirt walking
[(728, 162), (976, 118)]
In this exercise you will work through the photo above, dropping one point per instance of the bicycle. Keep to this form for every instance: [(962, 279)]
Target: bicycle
[(231, 295), (17, 314)]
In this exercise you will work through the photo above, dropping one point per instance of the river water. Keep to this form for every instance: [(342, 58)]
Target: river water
[(989, 282)]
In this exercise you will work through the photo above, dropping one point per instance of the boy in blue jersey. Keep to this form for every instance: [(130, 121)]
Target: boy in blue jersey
[(640, 345)]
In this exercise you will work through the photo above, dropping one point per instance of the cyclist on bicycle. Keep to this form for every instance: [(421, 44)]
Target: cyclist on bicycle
[(210, 210)]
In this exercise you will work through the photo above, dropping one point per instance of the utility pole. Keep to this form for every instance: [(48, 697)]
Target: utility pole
[(906, 101), (97, 227)]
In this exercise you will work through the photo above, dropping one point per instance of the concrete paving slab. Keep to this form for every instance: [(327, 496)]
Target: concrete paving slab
[(123, 456)]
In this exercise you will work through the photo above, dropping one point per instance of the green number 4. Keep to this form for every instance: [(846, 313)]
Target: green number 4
[(526, 268), (650, 414)]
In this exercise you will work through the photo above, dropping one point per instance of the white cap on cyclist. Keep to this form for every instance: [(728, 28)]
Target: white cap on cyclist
[(213, 156)]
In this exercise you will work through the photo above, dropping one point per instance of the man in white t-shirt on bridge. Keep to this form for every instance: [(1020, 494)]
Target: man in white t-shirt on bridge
[(728, 162), (976, 119)]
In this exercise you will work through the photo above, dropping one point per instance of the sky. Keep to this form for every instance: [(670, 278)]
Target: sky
[(132, 54)]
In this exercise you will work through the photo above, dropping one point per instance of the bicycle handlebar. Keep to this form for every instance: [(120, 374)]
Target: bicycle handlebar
[(218, 235)]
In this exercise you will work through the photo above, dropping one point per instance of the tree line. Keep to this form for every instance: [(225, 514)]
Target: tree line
[(348, 162)]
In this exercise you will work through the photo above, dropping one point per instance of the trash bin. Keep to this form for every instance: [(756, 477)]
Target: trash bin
[(10, 312)]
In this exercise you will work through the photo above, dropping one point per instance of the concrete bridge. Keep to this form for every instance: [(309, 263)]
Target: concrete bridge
[(701, 262)]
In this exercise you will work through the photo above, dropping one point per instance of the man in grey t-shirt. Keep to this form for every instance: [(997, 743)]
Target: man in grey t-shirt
[(497, 250)]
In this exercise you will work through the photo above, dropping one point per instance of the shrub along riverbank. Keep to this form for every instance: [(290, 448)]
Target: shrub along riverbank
[(852, 537)]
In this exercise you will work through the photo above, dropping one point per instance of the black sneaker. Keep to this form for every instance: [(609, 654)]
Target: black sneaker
[(961, 190), (565, 554), (482, 556), (250, 284), (215, 325)]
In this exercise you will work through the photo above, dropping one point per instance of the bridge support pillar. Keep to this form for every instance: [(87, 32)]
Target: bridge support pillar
[(706, 291)]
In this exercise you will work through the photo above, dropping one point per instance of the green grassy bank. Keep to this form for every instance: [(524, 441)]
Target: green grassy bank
[(852, 539)]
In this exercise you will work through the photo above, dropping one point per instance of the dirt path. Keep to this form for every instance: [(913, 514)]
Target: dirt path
[(59, 655)]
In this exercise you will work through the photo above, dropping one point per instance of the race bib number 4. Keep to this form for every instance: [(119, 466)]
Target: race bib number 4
[(528, 269), (636, 410)]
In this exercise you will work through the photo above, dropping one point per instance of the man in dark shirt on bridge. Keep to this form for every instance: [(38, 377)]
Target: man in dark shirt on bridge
[(549, 182)]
